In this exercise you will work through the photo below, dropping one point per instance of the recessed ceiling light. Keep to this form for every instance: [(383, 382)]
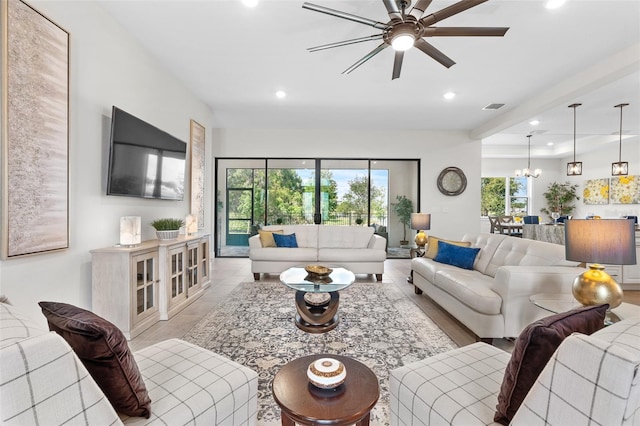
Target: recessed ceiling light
[(449, 95), (250, 3), (554, 4), (549, 143), (534, 122), (280, 94)]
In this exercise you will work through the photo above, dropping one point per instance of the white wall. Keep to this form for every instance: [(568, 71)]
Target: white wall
[(108, 68), (451, 217)]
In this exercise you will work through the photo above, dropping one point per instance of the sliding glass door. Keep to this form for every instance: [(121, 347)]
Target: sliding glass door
[(252, 193)]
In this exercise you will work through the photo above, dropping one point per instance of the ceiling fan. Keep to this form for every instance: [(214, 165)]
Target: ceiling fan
[(406, 30)]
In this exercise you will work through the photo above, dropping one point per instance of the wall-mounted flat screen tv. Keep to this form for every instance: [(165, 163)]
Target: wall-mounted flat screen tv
[(144, 161)]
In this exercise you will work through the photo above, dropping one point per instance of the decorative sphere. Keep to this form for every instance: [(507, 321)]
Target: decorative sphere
[(326, 373), (596, 287)]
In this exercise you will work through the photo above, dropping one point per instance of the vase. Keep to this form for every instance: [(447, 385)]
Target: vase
[(167, 235)]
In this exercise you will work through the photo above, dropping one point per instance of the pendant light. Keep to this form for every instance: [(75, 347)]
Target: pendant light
[(621, 168), (574, 168), (527, 172)]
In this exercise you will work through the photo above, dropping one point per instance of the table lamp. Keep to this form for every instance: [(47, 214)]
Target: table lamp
[(421, 222), (130, 235), (191, 224), (611, 241)]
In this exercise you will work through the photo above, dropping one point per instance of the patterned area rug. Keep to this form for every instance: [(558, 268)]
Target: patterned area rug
[(379, 327)]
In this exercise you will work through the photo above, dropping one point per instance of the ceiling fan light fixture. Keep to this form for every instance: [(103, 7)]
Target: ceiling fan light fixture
[(403, 36), (403, 42)]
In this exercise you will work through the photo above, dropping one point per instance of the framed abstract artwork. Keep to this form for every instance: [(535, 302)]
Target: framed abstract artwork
[(196, 143), (596, 191), (625, 190), (35, 137)]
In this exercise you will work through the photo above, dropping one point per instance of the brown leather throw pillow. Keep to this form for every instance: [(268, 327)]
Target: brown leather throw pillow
[(534, 348), (104, 351)]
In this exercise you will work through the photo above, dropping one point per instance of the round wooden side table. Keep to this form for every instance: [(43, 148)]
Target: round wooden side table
[(303, 403)]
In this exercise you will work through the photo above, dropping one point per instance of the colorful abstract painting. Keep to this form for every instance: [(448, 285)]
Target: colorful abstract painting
[(596, 191), (36, 140), (625, 190)]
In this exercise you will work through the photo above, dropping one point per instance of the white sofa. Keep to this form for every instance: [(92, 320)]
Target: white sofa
[(356, 248), (492, 300), (589, 380), (42, 381)]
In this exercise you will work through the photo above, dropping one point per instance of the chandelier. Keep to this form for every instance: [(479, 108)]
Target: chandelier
[(527, 172)]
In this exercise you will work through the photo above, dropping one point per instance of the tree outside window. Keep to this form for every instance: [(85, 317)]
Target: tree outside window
[(494, 196)]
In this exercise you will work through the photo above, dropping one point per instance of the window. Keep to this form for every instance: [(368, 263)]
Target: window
[(504, 196)]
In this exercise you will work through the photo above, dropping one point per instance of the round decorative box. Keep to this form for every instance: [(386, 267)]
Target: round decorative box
[(326, 373)]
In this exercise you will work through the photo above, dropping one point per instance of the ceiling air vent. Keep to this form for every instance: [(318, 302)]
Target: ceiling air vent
[(493, 106)]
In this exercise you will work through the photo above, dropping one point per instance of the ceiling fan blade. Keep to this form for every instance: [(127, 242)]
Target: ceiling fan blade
[(392, 9), (345, 15), (448, 11), (368, 56), (397, 64), (419, 8), (345, 43), (434, 53), (464, 31)]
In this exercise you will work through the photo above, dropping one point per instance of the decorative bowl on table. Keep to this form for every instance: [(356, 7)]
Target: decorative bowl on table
[(318, 270), (326, 373)]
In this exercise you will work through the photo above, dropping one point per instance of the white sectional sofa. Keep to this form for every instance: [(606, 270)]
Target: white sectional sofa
[(43, 381), (492, 300), (356, 248)]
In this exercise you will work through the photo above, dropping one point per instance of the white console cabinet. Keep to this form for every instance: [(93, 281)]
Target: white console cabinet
[(134, 287)]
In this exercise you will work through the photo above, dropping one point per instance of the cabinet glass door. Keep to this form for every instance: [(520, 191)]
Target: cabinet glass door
[(145, 291), (192, 267), (176, 274), (204, 261)]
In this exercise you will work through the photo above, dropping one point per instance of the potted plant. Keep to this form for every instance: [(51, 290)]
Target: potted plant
[(167, 228), (403, 208), (560, 198)]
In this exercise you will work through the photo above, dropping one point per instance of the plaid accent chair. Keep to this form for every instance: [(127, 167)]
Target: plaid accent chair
[(43, 382), (589, 380)]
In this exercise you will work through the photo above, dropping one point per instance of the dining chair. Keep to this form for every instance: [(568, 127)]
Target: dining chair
[(494, 224), (531, 220)]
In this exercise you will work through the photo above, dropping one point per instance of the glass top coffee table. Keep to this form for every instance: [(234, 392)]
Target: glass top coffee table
[(317, 297)]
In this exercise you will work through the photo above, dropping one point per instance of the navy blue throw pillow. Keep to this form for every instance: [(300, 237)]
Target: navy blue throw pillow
[(462, 257), (285, 240)]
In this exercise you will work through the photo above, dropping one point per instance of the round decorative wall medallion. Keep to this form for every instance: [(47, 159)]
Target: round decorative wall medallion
[(452, 181)]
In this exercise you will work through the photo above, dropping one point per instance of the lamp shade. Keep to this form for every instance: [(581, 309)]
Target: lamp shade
[(611, 241), (191, 224), (130, 230), (421, 221)]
